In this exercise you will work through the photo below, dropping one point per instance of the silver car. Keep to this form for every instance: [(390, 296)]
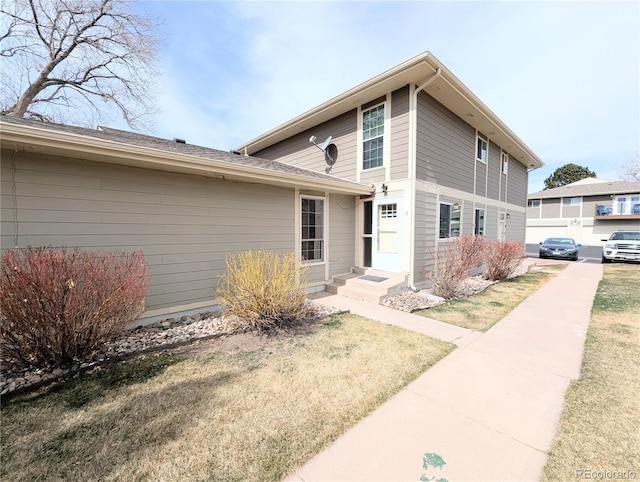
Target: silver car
[(565, 248)]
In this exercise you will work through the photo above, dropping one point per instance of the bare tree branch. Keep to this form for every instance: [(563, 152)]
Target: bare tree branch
[(85, 54), (629, 170)]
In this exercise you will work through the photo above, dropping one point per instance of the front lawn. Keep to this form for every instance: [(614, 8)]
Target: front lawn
[(251, 411), (483, 310), (598, 434)]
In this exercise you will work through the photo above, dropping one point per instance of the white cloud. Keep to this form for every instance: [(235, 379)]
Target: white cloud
[(563, 75)]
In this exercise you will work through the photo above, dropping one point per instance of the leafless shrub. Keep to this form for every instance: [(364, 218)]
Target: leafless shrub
[(502, 259), (455, 261), (57, 306), (263, 289)]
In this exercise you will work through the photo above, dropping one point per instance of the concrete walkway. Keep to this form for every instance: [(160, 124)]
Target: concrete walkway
[(489, 409)]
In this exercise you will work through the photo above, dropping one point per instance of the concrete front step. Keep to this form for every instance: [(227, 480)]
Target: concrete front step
[(353, 286)]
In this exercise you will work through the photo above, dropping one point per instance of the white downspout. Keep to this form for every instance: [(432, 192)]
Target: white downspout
[(413, 166)]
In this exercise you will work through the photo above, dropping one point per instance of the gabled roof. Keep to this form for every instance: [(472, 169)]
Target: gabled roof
[(139, 150), (446, 89), (588, 187)]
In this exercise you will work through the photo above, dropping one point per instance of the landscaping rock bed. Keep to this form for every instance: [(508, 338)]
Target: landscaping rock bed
[(411, 301), (164, 334)]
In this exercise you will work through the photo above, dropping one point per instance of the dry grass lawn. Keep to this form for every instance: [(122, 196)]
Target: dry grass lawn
[(599, 431), (240, 414), (480, 312)]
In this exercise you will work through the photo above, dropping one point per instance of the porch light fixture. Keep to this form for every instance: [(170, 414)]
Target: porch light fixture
[(508, 215), (385, 188), (456, 206)]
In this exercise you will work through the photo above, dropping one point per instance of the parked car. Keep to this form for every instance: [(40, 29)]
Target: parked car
[(621, 245), (559, 248)]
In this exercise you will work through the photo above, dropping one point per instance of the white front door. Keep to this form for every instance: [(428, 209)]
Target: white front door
[(387, 235)]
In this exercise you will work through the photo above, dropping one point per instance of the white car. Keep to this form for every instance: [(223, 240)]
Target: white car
[(623, 246)]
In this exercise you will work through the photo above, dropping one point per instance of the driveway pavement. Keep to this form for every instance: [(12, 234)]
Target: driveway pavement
[(489, 409)]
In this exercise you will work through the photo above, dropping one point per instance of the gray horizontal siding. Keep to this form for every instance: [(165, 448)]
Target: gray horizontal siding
[(425, 236), (550, 208), (185, 225), (400, 134), (342, 213), (445, 146), (297, 150), (515, 229), (570, 211), (517, 179), (493, 179)]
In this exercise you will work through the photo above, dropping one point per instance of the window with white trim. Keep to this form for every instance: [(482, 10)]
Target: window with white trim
[(533, 203), (478, 225), (372, 136), (312, 211), (389, 211), (571, 201), (481, 148), (449, 223), (627, 204), (504, 165)]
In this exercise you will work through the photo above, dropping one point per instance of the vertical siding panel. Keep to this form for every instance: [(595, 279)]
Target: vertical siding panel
[(342, 211), (517, 183), (425, 235), (400, 134), (515, 230), (550, 208), (493, 181), (445, 146)]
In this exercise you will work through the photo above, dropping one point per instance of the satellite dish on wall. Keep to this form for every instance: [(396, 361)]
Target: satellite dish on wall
[(330, 150), (331, 154)]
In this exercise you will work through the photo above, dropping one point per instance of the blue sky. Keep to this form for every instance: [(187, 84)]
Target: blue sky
[(564, 76)]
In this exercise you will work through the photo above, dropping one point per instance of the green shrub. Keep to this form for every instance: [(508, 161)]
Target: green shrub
[(57, 306), (264, 289)]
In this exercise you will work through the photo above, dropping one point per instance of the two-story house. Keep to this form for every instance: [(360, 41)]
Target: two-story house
[(414, 160), (441, 163), (588, 210)]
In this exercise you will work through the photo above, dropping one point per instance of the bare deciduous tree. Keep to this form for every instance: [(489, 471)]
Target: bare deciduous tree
[(629, 170), (64, 60)]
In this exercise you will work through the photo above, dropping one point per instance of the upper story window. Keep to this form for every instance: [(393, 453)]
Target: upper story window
[(571, 201), (481, 148), (627, 204), (533, 203), (504, 164), (372, 135), (312, 211)]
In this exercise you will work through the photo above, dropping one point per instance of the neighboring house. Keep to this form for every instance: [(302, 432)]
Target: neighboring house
[(441, 163), (185, 206), (588, 210), (415, 160)]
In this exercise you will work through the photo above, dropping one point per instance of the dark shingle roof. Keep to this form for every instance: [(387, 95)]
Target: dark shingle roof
[(575, 189), (166, 145)]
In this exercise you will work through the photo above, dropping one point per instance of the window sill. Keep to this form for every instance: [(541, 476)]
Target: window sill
[(379, 168), (313, 263)]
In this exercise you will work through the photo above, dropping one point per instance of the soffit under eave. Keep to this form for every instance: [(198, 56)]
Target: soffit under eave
[(443, 89), (206, 167)]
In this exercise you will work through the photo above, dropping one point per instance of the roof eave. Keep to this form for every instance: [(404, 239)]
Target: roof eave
[(39, 140), (448, 90)]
